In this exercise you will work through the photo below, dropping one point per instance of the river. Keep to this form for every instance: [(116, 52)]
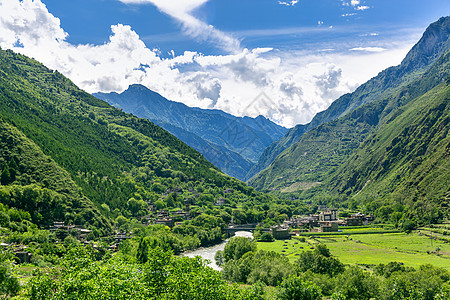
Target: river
[(209, 252)]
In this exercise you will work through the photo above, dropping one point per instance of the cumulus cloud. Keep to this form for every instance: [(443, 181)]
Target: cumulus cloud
[(205, 87), (182, 10), (287, 87), (288, 3)]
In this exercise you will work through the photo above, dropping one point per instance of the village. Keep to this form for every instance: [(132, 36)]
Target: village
[(325, 220)]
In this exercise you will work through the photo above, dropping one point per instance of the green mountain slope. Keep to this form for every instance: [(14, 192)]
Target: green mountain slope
[(228, 161), (320, 151), (405, 164), (107, 156), (33, 182), (433, 44)]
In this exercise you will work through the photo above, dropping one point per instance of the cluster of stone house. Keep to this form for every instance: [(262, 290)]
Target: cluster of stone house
[(168, 218), (79, 232), (359, 219), (20, 252), (23, 256), (327, 221), (280, 232)]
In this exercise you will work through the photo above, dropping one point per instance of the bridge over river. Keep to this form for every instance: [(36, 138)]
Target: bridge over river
[(232, 229)]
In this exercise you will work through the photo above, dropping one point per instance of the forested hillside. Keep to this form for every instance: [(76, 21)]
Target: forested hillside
[(433, 44), (403, 169), (33, 182), (389, 157), (321, 151), (72, 148)]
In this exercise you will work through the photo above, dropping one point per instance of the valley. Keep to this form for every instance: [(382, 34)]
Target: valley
[(112, 195)]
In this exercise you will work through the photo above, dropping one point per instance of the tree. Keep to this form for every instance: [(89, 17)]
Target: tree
[(408, 226), (354, 283), (4, 219), (323, 250), (266, 266), (121, 220), (263, 236), (237, 247), (294, 288), (9, 284), (425, 283), (171, 199), (319, 261), (219, 258), (159, 204), (388, 269), (105, 208), (135, 206), (5, 177)]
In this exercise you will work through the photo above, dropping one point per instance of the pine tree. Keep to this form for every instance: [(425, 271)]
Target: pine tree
[(5, 178), (142, 251)]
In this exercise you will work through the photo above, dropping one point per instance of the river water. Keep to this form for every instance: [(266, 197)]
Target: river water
[(209, 252)]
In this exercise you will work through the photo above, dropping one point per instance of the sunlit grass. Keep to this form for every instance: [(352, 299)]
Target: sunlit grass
[(371, 249)]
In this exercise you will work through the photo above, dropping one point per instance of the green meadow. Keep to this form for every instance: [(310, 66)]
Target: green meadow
[(412, 249)]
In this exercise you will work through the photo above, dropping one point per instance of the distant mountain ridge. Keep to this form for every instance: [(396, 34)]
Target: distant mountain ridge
[(231, 143), (433, 44)]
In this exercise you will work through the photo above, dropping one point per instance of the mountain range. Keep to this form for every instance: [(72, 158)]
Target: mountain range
[(433, 44), (307, 153), (68, 156), (233, 144), (388, 155)]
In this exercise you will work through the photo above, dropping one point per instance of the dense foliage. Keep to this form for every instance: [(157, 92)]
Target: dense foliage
[(9, 284), (163, 276)]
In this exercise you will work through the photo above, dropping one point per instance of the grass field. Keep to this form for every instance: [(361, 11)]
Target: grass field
[(290, 247), (412, 249)]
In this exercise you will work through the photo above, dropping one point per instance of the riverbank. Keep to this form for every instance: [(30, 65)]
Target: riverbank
[(208, 253)]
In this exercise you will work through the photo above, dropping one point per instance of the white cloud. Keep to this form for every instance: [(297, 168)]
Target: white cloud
[(355, 4), (362, 7), (182, 10), (288, 3), (369, 49), (298, 84)]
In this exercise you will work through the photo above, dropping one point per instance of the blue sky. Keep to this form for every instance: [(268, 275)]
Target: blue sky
[(257, 23), (221, 53)]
